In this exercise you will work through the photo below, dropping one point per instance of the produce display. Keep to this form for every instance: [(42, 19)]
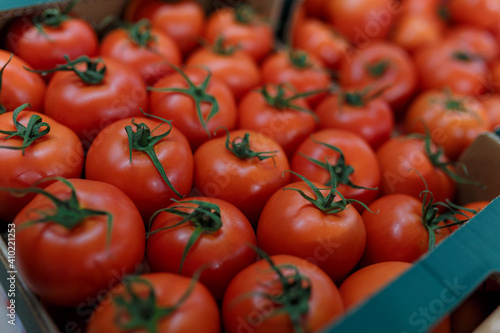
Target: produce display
[(178, 170)]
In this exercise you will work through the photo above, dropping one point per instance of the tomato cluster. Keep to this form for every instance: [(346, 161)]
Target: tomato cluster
[(169, 185)]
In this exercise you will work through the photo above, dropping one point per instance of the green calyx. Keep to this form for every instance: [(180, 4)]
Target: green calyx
[(52, 17), (205, 217), (34, 130), (465, 56), (280, 102), (67, 213), (379, 68), (143, 140), (299, 59), (140, 33), (2, 107), (219, 48), (244, 14), (240, 147), (136, 312), (93, 74), (341, 171), (359, 98), (198, 94)]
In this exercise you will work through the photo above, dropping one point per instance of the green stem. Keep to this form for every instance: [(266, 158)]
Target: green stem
[(240, 147), (219, 47), (140, 33), (280, 102), (244, 14), (379, 68), (52, 17), (299, 59)]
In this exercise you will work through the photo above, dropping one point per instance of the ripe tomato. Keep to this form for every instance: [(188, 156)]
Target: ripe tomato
[(240, 27), (411, 165), (453, 121), (301, 70), (385, 67), (478, 42), (50, 149), (157, 162), (276, 111), (322, 41), (359, 113), (19, 86), (196, 102), (481, 13), (245, 169), (491, 105), (171, 303), (196, 232), (398, 232), (364, 20), (146, 49), (87, 106), (356, 169), (43, 40), (183, 20), (235, 68), (78, 235), (324, 229), (306, 298), (412, 32), (467, 211)]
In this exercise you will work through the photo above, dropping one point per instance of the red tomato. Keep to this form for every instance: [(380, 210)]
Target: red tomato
[(164, 150), (47, 153), (241, 27), (465, 212), (79, 237), (411, 165), (183, 20), (359, 113), (87, 108), (356, 167), (43, 40), (412, 32), (203, 104), (481, 13), (326, 233), (476, 41), (301, 70), (491, 105), (235, 68), (244, 169), (385, 67), (172, 303), (312, 298), (397, 232), (315, 8), (322, 41), (19, 86), (144, 48), (276, 111), (364, 20), (214, 233), (453, 121)]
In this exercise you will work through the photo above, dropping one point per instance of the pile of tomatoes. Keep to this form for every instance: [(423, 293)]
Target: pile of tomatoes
[(185, 172)]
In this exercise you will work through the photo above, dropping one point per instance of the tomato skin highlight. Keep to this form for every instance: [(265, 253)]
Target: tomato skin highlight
[(253, 312), (66, 266)]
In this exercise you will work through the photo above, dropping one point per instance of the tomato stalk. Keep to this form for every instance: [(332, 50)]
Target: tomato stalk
[(240, 147), (219, 48), (35, 129), (465, 56), (2, 107), (280, 102), (67, 212), (244, 14), (136, 312), (205, 217), (198, 94), (140, 33), (93, 74), (52, 17), (299, 59), (359, 98), (379, 68), (340, 169)]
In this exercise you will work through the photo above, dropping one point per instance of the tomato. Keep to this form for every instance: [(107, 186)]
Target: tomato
[(183, 20), (362, 284), (233, 67), (78, 235), (88, 105), (315, 8), (50, 149), (410, 165), (385, 67), (301, 70), (245, 169), (171, 303), (112, 159), (305, 296), (43, 40), (146, 49), (323, 229), (466, 212), (472, 312), (364, 20), (19, 86), (481, 13), (201, 232), (368, 116), (446, 65), (357, 168), (476, 41), (203, 104), (412, 32), (491, 105), (276, 111), (398, 232), (453, 121), (322, 41), (241, 27)]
